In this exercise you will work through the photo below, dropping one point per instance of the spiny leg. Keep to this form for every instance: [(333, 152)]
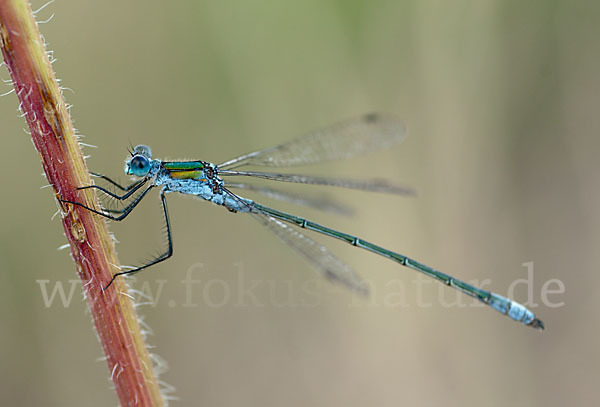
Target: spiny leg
[(113, 210), (160, 258), (125, 211), (105, 178), (131, 189)]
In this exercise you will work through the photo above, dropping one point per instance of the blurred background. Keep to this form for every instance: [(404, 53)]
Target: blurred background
[(501, 102)]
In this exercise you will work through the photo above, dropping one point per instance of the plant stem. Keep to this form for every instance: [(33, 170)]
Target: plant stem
[(91, 245)]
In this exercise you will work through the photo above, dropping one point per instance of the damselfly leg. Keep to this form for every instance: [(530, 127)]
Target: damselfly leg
[(162, 257)]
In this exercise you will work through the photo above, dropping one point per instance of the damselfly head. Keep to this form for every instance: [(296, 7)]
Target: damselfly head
[(139, 163)]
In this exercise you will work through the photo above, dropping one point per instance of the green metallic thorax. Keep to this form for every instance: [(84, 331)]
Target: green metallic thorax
[(184, 165), (185, 169)]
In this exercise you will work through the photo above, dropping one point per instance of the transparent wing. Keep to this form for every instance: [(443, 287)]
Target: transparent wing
[(373, 185), (320, 203), (346, 139), (332, 268)]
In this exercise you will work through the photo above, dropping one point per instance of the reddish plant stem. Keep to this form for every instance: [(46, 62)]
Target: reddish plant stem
[(91, 245)]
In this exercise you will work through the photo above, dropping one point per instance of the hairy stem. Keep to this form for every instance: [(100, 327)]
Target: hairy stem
[(91, 245)]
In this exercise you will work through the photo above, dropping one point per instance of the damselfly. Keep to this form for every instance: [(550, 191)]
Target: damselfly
[(211, 182)]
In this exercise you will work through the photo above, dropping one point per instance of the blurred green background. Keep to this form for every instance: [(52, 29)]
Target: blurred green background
[(501, 101)]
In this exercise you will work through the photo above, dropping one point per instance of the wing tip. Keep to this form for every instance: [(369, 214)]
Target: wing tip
[(372, 117), (388, 121)]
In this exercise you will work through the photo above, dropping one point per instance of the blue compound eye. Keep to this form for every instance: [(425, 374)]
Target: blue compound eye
[(138, 166), (143, 150)]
